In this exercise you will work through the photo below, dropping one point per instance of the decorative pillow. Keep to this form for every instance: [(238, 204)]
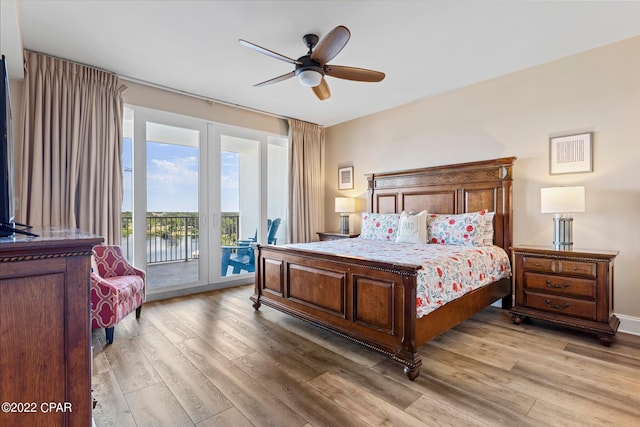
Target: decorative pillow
[(464, 229), (412, 228), (487, 237), (379, 226)]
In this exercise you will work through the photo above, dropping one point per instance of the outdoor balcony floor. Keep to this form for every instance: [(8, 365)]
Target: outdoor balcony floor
[(167, 274)]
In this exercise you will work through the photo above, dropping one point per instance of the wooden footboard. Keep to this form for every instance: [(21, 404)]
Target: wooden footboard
[(370, 302)]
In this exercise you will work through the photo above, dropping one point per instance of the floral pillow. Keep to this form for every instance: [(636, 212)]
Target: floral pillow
[(379, 226), (464, 229), (412, 228)]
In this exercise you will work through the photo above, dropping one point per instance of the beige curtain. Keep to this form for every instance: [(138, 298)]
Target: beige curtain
[(71, 156), (306, 182)]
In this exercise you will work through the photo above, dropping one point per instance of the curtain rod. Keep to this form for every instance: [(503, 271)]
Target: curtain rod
[(167, 88)]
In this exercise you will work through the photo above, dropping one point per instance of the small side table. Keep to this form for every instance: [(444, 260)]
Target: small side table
[(567, 287), (322, 235)]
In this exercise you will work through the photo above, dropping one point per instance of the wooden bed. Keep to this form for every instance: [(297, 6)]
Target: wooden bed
[(372, 302)]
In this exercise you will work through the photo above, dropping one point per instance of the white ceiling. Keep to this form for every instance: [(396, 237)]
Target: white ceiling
[(424, 47)]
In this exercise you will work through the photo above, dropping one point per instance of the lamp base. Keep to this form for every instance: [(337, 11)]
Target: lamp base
[(344, 224), (562, 232)]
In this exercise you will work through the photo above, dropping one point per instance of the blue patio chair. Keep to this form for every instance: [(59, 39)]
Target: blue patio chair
[(273, 230), (254, 239), (244, 256)]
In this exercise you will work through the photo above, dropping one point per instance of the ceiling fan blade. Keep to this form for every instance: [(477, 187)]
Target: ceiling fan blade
[(353, 73), (277, 79), (331, 44), (322, 90), (268, 52)]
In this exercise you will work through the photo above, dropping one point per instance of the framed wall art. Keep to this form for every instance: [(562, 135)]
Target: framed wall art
[(571, 154), (345, 178)]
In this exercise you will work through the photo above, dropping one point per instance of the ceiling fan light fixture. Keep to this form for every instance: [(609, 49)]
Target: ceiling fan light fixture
[(310, 78)]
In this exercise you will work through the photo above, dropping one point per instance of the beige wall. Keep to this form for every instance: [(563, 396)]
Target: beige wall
[(147, 96), (514, 115)]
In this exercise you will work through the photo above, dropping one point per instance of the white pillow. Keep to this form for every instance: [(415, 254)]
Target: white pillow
[(412, 228), (487, 236)]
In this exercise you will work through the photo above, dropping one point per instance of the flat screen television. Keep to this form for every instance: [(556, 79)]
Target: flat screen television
[(7, 207)]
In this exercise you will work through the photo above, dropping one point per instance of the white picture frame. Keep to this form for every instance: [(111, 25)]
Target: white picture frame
[(571, 154), (345, 178)]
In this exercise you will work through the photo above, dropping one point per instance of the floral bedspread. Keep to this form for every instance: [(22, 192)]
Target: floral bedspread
[(447, 272)]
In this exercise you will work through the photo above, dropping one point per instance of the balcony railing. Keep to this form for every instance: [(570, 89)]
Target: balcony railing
[(175, 238)]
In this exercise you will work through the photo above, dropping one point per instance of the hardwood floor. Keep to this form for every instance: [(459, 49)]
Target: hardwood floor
[(211, 360)]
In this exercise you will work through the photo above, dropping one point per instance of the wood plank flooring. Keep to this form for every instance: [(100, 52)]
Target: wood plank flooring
[(212, 360)]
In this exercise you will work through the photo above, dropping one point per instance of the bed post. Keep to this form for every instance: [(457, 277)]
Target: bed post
[(256, 295), (370, 183), (408, 354)]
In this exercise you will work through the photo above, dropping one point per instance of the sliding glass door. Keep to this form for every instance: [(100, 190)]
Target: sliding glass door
[(167, 213), (198, 198), (253, 196)]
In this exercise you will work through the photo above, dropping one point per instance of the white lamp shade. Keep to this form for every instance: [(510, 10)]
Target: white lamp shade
[(310, 78), (562, 200), (345, 204)]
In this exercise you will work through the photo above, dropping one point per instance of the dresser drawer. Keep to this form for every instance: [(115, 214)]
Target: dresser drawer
[(561, 305), (568, 286)]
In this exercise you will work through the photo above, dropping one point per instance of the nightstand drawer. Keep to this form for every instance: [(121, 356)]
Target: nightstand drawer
[(548, 265), (538, 264), (561, 305), (582, 268), (569, 286)]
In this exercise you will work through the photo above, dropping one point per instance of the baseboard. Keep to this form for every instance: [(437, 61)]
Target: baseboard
[(629, 325)]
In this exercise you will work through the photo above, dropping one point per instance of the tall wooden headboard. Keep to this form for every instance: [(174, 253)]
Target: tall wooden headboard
[(458, 188)]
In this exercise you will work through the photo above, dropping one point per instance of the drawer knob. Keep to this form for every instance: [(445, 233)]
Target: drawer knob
[(556, 306), (537, 264), (555, 286)]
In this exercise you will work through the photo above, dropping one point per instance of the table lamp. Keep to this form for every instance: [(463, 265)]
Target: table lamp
[(561, 202), (345, 205)]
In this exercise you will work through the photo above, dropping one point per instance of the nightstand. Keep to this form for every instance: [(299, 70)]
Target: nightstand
[(567, 287), (335, 235)]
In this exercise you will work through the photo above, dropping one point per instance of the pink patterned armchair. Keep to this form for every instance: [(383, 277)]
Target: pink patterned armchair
[(117, 288)]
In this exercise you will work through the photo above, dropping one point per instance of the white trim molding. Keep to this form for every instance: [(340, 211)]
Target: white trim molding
[(629, 325)]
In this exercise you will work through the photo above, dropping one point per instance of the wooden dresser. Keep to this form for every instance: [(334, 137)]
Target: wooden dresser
[(45, 331), (567, 287)]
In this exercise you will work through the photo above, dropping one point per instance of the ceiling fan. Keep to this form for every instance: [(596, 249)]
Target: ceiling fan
[(312, 67)]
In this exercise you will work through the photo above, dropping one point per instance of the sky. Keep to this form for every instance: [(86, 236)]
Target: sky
[(172, 178)]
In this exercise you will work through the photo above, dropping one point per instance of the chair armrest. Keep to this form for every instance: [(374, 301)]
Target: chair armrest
[(240, 249), (138, 272), (100, 283)]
